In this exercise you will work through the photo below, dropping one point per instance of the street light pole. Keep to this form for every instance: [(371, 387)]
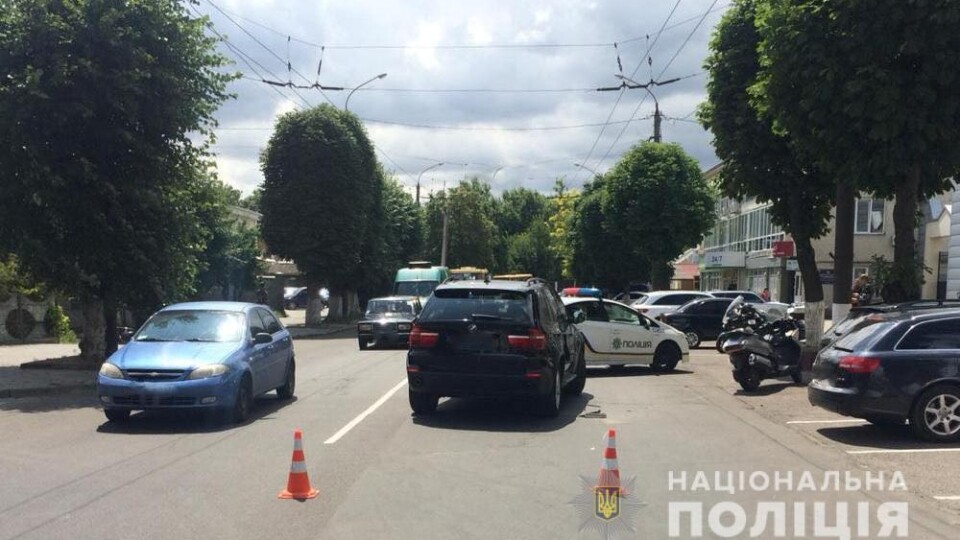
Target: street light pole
[(494, 176), (595, 173), (346, 106), (434, 166)]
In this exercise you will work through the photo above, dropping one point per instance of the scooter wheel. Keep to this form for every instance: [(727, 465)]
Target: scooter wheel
[(749, 379)]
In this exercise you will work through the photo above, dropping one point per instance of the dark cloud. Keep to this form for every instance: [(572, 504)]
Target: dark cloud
[(529, 158)]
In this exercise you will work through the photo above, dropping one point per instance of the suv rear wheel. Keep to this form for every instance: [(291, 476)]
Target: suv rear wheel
[(549, 404), (575, 388), (423, 402)]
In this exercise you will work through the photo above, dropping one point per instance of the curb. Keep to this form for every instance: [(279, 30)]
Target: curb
[(14, 393), (313, 332)]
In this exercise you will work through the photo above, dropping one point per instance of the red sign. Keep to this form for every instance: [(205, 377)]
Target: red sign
[(783, 248)]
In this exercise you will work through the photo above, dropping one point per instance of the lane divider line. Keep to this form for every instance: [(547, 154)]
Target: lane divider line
[(376, 404), (905, 451), (844, 421), (947, 497)]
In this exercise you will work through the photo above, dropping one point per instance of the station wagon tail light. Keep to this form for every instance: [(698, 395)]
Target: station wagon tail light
[(859, 364), (534, 340), (419, 338)]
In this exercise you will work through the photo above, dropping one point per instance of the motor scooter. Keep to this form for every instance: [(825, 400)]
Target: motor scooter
[(767, 351)]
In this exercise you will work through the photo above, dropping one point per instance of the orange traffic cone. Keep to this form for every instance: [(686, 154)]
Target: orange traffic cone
[(609, 471), (298, 483)]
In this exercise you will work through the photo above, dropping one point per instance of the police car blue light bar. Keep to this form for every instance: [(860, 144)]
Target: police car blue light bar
[(581, 292)]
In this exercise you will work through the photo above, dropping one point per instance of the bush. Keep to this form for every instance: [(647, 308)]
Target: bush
[(57, 324)]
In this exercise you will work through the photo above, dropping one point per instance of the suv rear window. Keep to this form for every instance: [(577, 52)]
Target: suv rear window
[(483, 304)]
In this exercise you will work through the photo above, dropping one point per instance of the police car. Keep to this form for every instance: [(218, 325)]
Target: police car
[(616, 335)]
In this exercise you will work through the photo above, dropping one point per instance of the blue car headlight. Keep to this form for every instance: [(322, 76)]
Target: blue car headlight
[(205, 372), (110, 371)]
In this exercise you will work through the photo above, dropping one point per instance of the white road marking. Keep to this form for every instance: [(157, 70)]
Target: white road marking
[(905, 451), (844, 421), (947, 497), (376, 404)]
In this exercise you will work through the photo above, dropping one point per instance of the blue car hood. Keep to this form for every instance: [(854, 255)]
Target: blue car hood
[(171, 354)]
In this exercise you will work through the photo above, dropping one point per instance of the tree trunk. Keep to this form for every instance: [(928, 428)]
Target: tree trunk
[(843, 249), (111, 334), (812, 287), (352, 308), (660, 274), (92, 346), (335, 306), (906, 281), (314, 314)]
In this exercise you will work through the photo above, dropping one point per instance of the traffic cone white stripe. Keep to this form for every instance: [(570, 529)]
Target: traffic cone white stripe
[(298, 467), (610, 465)]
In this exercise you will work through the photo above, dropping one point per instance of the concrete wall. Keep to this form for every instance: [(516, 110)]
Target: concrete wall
[(953, 265), (37, 311)]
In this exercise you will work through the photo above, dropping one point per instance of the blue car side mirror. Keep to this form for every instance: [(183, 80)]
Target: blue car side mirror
[(262, 338)]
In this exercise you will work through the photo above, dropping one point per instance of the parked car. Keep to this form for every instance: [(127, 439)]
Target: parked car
[(617, 335), (494, 338), (860, 316), (387, 321), (654, 304), (699, 319), (296, 297), (204, 355), (903, 368), (628, 297)]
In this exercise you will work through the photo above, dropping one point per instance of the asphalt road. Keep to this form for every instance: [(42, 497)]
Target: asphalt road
[(474, 470)]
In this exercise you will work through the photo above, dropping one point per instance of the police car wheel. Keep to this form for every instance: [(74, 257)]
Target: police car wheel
[(667, 357)]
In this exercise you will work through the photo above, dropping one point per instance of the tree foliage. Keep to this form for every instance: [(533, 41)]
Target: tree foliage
[(397, 236), (658, 204), (100, 105), (321, 188), (471, 230), (757, 162), (598, 255), (560, 219), (229, 259), (869, 92)]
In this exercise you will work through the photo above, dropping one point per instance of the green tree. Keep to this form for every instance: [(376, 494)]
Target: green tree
[(517, 208), (397, 237), (562, 205), (530, 251), (658, 204), (229, 260), (101, 103), (869, 92), (252, 201), (757, 161), (321, 187), (471, 230), (598, 255)]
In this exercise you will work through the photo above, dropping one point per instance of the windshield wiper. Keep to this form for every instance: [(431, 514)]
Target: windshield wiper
[(485, 316), (201, 340), (151, 339)]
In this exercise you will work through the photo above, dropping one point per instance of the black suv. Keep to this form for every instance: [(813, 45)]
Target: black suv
[(494, 338)]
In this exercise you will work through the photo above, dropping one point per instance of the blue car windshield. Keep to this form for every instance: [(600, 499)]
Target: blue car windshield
[(193, 325)]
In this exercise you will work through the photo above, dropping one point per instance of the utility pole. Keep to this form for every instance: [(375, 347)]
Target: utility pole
[(443, 242), (627, 82)]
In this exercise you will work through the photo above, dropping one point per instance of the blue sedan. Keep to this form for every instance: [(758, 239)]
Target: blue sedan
[(210, 355)]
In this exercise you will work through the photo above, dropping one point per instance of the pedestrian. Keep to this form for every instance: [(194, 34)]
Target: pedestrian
[(862, 294), (765, 294), (262, 294)]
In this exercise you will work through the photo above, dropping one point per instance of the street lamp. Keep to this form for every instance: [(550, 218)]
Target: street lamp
[(587, 168), (434, 166), (346, 106), (494, 176)]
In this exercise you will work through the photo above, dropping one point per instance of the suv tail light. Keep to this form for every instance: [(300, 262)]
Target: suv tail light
[(534, 340), (859, 364), (419, 338)]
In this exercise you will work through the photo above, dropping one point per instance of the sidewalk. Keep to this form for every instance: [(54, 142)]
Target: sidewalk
[(17, 380)]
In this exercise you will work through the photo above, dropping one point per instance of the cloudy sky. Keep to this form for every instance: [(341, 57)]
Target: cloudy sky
[(479, 86)]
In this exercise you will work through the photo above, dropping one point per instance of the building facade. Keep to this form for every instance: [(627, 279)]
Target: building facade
[(739, 252)]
